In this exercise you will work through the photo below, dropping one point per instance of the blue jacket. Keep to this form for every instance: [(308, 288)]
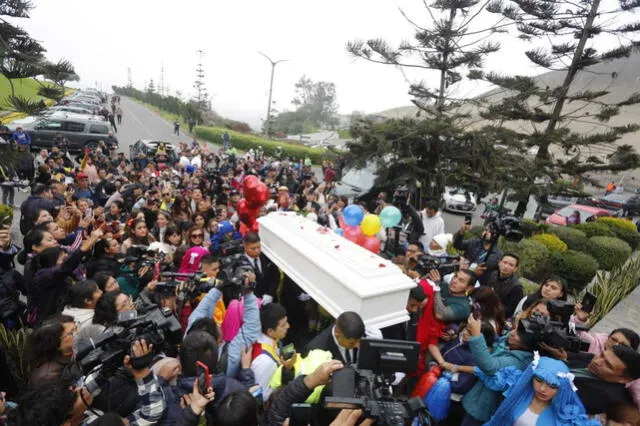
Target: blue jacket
[(246, 336), (457, 352), (481, 402)]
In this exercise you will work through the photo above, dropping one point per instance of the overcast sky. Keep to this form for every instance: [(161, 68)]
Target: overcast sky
[(103, 39)]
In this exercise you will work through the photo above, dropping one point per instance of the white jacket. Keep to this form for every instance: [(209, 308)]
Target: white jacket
[(432, 227), (81, 316)]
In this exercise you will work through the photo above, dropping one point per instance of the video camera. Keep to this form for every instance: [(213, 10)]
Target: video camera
[(143, 256), (368, 387), (506, 225), (157, 326), (444, 265), (556, 331), (401, 197), (193, 283)]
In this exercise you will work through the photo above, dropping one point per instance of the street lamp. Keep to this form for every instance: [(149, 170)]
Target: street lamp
[(273, 68)]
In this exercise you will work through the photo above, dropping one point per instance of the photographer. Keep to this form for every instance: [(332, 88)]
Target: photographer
[(476, 250)]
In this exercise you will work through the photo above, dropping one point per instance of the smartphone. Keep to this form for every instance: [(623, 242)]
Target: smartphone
[(467, 219), (203, 376), (301, 415), (258, 396), (476, 311), (588, 302), (89, 213), (288, 351)]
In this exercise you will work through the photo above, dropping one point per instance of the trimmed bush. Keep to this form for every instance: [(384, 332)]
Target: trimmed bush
[(528, 286), (551, 242), (573, 238), (618, 222), (576, 268), (594, 229), (530, 227), (534, 258), (246, 142), (608, 251), (474, 232)]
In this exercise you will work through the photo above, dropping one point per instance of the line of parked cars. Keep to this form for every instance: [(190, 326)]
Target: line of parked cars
[(76, 118)]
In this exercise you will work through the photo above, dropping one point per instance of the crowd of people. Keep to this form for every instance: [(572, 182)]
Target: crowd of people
[(240, 341)]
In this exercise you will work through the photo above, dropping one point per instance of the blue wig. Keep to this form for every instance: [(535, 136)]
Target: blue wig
[(565, 408), (226, 231)]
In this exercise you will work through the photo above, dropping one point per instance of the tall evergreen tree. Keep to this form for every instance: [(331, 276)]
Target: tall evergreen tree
[(566, 34)]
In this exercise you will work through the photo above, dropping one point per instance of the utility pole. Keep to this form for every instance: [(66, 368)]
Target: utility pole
[(201, 90), (162, 79), (273, 68)]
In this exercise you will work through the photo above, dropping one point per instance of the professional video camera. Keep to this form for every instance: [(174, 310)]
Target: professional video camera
[(158, 326), (506, 225), (193, 283), (401, 197), (143, 256), (230, 248), (556, 331), (445, 265), (368, 387)]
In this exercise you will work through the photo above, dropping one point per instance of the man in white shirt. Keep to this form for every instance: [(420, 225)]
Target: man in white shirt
[(267, 355), (432, 222)]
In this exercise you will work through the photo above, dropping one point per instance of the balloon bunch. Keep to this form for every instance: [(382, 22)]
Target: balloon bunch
[(256, 195), (361, 228)]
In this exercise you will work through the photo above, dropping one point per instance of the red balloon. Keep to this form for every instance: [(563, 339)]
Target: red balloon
[(341, 222), (260, 195), (249, 182), (371, 243), (353, 234)]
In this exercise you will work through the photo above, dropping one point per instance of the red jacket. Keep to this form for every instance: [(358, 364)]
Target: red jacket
[(429, 327)]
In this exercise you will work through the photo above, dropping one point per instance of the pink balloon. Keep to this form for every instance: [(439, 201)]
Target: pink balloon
[(341, 222), (372, 244), (354, 234)]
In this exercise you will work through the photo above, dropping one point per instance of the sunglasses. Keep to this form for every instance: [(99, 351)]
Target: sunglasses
[(197, 236)]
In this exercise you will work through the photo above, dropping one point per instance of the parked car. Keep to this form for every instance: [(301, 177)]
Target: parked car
[(587, 214), (458, 200), (69, 108), (626, 202), (81, 131), (149, 148)]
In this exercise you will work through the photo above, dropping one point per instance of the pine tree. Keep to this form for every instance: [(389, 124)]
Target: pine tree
[(566, 33), (151, 88)]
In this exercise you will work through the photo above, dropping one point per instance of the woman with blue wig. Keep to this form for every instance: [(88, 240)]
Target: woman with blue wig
[(543, 394)]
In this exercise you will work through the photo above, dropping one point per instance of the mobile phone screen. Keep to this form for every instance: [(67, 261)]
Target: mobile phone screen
[(588, 302), (202, 376)]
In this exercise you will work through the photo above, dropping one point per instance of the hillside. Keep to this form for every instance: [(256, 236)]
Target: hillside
[(598, 77), (26, 87)]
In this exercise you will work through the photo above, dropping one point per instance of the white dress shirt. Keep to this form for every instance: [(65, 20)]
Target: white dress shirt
[(264, 366), (343, 351)]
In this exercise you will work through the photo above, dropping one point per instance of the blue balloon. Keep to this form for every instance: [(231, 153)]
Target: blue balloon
[(390, 216), (353, 215), (339, 231), (438, 400)]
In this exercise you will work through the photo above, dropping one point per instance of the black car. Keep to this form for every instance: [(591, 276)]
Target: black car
[(626, 202), (82, 132)]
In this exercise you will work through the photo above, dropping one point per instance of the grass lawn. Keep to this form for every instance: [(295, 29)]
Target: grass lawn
[(26, 87)]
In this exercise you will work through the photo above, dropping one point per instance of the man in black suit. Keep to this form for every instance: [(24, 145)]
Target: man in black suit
[(602, 383), (407, 330), (342, 339), (267, 273)]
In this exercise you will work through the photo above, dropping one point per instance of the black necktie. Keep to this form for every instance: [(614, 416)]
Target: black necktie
[(347, 355), (355, 355), (255, 264)]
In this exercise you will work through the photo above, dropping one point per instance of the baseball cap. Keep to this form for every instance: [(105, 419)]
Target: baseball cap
[(82, 175)]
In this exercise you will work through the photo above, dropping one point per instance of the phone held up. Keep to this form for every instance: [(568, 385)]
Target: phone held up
[(204, 378), (467, 219), (588, 302)]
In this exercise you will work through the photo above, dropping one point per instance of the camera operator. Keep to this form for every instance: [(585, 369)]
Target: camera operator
[(248, 333), (476, 250), (266, 272), (505, 282)]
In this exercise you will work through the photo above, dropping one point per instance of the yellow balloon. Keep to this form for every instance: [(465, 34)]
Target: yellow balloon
[(370, 225)]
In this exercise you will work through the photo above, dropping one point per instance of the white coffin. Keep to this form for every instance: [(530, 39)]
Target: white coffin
[(338, 274)]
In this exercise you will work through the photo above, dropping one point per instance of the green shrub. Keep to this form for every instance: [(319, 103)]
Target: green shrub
[(618, 222), (530, 227), (573, 238), (609, 251), (534, 258), (6, 215), (245, 142), (474, 232), (551, 242), (611, 288), (594, 229), (576, 268), (528, 286)]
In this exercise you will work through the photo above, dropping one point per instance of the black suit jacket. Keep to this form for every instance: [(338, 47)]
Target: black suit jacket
[(325, 341), (268, 279), (597, 395)]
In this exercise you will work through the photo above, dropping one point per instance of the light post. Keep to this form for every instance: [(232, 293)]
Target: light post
[(273, 68)]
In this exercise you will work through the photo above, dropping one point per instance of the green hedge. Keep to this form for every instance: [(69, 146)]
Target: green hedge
[(245, 142), (573, 238), (531, 227), (618, 222), (576, 268), (534, 258), (528, 286), (609, 251), (594, 229), (623, 229), (474, 232), (551, 242)]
